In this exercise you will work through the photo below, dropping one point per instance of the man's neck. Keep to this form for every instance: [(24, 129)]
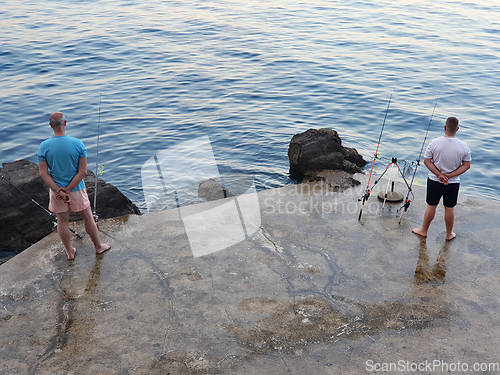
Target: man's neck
[(59, 132)]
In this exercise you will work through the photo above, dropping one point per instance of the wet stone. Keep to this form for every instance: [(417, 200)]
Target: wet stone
[(312, 320), (308, 293), (192, 276)]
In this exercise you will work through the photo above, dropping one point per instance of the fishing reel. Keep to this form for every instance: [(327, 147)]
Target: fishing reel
[(54, 228), (405, 205), (365, 196)]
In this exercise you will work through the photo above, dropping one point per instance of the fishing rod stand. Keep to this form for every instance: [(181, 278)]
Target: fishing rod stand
[(394, 162)]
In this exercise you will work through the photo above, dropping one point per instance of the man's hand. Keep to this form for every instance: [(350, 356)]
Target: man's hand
[(444, 178), (63, 194)]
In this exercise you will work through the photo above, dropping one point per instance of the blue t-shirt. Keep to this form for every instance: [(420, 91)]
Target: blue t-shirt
[(62, 154)]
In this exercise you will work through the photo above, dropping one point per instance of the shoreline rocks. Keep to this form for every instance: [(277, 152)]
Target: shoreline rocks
[(22, 223), (318, 154)]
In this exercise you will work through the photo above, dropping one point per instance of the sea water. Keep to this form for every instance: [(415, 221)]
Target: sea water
[(250, 75)]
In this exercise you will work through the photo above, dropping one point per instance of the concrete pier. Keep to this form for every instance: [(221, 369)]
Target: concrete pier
[(311, 291)]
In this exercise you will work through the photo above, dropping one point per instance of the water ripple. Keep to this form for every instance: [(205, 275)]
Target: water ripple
[(250, 76)]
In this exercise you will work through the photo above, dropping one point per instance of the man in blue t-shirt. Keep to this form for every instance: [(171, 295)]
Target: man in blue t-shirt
[(63, 166), (446, 158)]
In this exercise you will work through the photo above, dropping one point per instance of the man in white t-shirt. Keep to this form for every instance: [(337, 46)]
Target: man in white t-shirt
[(446, 158)]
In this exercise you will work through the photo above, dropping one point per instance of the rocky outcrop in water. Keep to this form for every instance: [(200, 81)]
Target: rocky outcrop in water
[(211, 190), (22, 223), (316, 151)]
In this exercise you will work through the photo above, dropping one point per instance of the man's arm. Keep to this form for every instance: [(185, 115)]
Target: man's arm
[(457, 172), (430, 165), (43, 169), (79, 176)]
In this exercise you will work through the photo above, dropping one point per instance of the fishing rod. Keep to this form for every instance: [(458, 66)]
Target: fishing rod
[(365, 197), (39, 205), (97, 161), (407, 202)]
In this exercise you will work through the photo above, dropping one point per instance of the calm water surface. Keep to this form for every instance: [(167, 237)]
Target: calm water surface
[(250, 75)]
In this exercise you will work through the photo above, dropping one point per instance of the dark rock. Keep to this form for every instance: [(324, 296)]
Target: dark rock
[(211, 190), (315, 153), (317, 150), (351, 155), (6, 255), (110, 201), (22, 223)]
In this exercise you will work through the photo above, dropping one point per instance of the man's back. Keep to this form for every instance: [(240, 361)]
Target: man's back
[(62, 154), (447, 154)]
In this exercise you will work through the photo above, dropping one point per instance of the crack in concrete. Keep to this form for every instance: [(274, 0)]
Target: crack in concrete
[(286, 364), (290, 285), (220, 301), (277, 248)]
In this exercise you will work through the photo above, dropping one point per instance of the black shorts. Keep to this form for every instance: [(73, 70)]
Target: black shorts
[(436, 190)]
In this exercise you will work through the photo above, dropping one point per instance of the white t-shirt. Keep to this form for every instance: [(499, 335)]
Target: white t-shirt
[(447, 154)]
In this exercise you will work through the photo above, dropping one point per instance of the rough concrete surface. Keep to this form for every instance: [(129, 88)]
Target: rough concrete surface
[(313, 291)]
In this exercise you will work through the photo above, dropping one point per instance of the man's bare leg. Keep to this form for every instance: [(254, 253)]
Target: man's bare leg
[(429, 214), (449, 220), (63, 231), (93, 232)]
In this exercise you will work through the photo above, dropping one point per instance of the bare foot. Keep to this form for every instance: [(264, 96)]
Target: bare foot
[(71, 256), (104, 247), (419, 231), (449, 238)]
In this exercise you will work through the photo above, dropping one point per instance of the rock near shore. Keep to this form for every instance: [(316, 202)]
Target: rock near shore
[(316, 151), (22, 223)]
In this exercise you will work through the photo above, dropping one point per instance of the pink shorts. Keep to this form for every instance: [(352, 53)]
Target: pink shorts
[(78, 201)]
